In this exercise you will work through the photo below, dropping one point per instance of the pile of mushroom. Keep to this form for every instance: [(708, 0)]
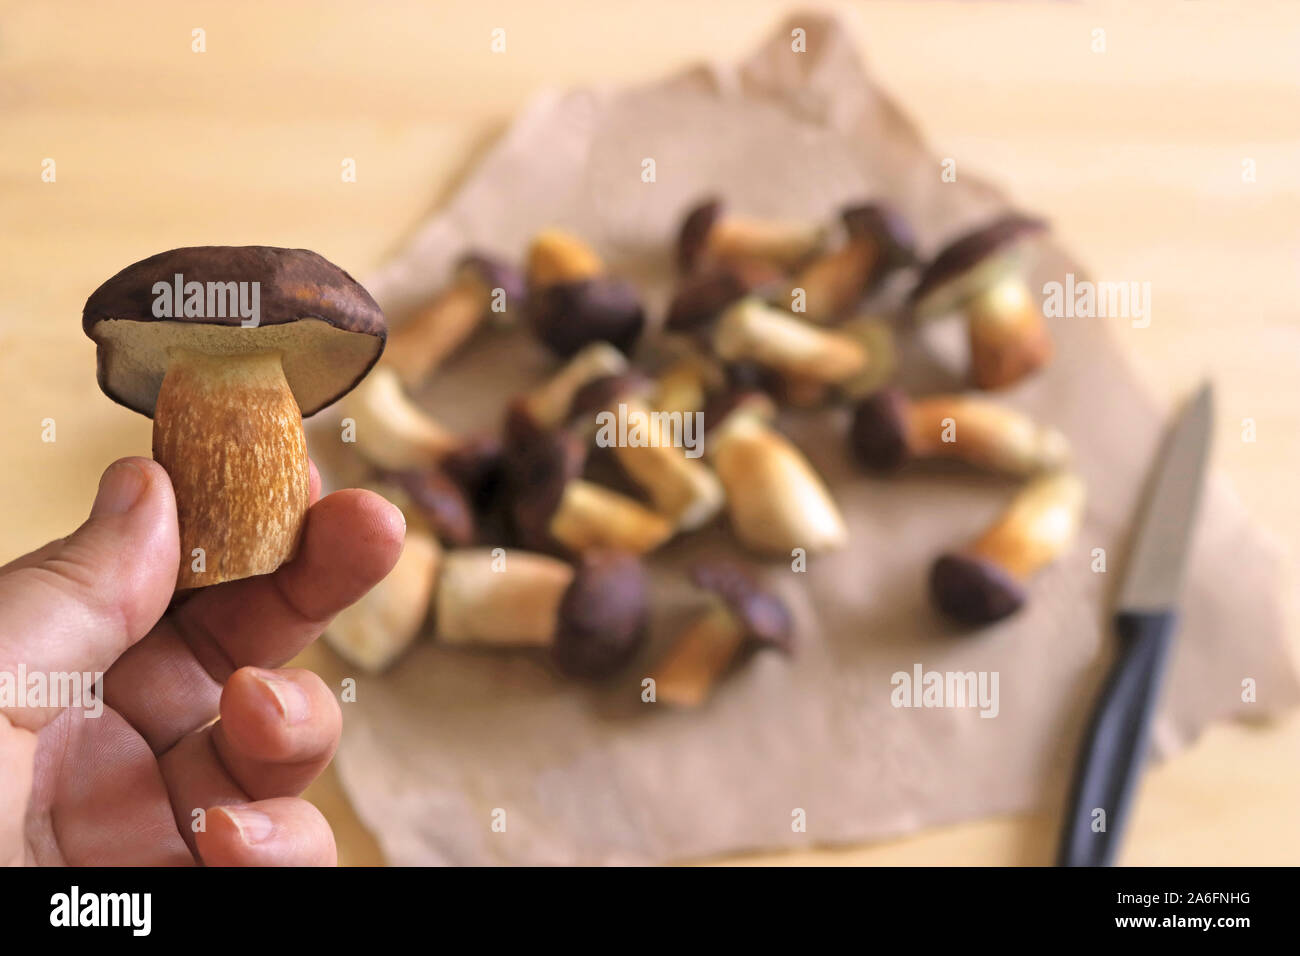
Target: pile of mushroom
[(537, 537)]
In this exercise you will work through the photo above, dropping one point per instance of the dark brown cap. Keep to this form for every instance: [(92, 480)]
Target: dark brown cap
[(603, 615), (878, 435), (537, 473), (440, 502), (761, 613), (693, 237), (974, 590), (327, 328), (882, 224), (604, 393), (971, 263), (743, 401), (569, 315)]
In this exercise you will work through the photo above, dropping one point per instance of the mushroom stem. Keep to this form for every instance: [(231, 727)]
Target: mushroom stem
[(985, 434), (1008, 338), (834, 282), (437, 330), (785, 244), (511, 599), (698, 657), (228, 431), (589, 516), (753, 331), (1039, 524), (776, 500), (548, 405), (392, 432)]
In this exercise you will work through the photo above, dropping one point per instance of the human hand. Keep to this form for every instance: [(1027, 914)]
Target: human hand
[(122, 788)]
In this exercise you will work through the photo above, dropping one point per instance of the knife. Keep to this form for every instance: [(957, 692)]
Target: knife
[(1110, 762)]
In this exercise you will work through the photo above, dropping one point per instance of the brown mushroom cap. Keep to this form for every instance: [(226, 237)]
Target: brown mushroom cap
[(537, 473), (604, 393), (603, 615), (693, 236), (971, 263), (741, 400), (974, 590), (440, 502), (878, 435), (567, 316), (763, 615), (327, 328), (883, 224)]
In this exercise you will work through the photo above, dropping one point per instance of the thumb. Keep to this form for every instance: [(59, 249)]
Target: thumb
[(75, 605)]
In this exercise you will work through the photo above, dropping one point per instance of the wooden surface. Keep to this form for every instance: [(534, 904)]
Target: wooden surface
[(1135, 153)]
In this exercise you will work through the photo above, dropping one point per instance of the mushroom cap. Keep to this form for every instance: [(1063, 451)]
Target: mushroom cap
[(693, 236), (701, 295), (496, 273), (603, 615), (440, 502), (762, 614), (327, 328), (883, 224), (567, 316), (972, 262), (742, 400), (604, 393), (974, 590), (878, 435), (538, 472)]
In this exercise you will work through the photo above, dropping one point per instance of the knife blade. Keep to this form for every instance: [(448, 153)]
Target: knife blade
[(1110, 761)]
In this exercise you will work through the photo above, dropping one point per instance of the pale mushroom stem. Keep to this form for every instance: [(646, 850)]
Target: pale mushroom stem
[(701, 653), (1039, 524), (229, 433), (437, 330)]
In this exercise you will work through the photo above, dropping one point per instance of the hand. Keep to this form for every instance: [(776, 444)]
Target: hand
[(122, 788)]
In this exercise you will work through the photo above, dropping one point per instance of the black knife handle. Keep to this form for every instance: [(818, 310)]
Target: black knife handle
[(1110, 763)]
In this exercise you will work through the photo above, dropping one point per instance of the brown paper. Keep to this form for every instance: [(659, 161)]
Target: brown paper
[(585, 775)]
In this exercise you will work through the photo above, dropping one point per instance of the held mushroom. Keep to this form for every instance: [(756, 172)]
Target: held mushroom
[(572, 302), (709, 235), (377, 629), (651, 447), (226, 348), (592, 616), (742, 614), (985, 581), (878, 241), (480, 281), (775, 499), (981, 274), (554, 507), (889, 430), (391, 431)]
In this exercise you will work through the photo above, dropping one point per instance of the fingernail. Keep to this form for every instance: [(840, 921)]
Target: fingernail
[(254, 826), (289, 697), (119, 489)]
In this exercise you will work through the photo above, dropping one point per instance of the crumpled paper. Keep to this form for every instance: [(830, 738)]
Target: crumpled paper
[(436, 749)]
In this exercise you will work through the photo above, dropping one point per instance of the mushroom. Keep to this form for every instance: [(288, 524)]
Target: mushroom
[(980, 273), (592, 616), (391, 431), (572, 302), (226, 349), (441, 503), (878, 241), (889, 429), (709, 235), (806, 358), (554, 507), (985, 581), (650, 446), (686, 382), (742, 613), (547, 406), (446, 322), (373, 632), (775, 499)]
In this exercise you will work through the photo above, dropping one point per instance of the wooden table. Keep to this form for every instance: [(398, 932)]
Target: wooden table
[(1136, 153)]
